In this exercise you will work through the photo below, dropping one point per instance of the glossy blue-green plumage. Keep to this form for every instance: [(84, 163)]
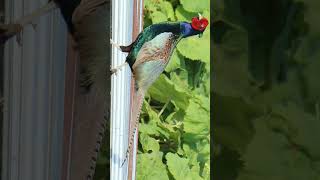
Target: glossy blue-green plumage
[(180, 29), (148, 34), (147, 66)]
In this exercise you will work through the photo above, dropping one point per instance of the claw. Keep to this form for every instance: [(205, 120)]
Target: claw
[(123, 163), (115, 44), (117, 68)]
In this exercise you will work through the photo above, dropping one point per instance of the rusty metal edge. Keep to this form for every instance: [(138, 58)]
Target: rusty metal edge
[(69, 105), (135, 32)]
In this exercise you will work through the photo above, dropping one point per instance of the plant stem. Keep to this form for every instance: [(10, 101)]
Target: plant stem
[(164, 106)]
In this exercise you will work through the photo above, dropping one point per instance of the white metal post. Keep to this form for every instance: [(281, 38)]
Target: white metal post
[(139, 9), (122, 11), (122, 26)]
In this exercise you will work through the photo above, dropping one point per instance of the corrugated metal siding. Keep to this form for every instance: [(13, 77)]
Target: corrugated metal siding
[(122, 22), (34, 96)]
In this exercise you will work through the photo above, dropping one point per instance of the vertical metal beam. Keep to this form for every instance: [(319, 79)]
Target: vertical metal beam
[(137, 28), (122, 23), (71, 79), (124, 30)]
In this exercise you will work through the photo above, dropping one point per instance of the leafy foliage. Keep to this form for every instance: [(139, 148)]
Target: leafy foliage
[(175, 123), (153, 167), (180, 169), (266, 92)]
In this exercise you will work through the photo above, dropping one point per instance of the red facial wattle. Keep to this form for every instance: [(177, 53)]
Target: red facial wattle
[(199, 24)]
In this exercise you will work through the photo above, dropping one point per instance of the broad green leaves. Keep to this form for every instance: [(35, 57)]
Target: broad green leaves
[(196, 48), (311, 15), (195, 6), (174, 62), (283, 150), (159, 11), (231, 65), (272, 130), (149, 143), (196, 121), (180, 169), (183, 15), (150, 166), (164, 90)]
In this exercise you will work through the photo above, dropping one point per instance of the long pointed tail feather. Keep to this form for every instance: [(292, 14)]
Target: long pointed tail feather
[(136, 105)]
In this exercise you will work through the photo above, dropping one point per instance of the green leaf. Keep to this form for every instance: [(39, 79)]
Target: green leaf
[(203, 101), (308, 54), (231, 76), (195, 6), (204, 151), (230, 13), (148, 143), (158, 17), (172, 133), (180, 169), (183, 15), (159, 11), (180, 79), (191, 153), (150, 166), (206, 172), (312, 15), (174, 62), (218, 8), (153, 116), (196, 122), (227, 164), (280, 93), (281, 159), (302, 127), (164, 89), (233, 130), (196, 73), (150, 128), (196, 48)]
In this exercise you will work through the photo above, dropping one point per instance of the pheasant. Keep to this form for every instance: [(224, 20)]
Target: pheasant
[(148, 56)]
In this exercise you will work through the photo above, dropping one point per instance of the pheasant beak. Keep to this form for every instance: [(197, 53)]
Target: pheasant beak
[(200, 17)]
